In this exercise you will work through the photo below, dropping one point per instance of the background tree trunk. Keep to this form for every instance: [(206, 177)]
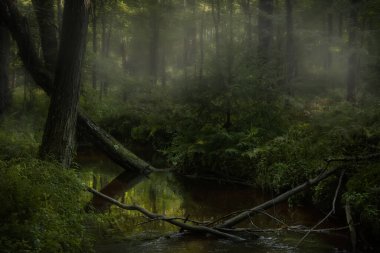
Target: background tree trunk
[(59, 136), (352, 74), (48, 33), (216, 9), (246, 6), (290, 48), (5, 95), (154, 42), (329, 41), (94, 43), (265, 30)]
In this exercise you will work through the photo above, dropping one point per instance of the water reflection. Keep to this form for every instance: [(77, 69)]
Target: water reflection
[(203, 200), (116, 188)]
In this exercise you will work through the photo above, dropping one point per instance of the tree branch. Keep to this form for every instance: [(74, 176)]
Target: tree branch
[(328, 215), (171, 220)]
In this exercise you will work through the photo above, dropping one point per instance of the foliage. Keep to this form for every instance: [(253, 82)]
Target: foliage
[(42, 208)]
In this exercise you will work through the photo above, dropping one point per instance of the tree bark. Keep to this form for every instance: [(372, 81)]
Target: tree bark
[(58, 141), (44, 10), (18, 26), (5, 94)]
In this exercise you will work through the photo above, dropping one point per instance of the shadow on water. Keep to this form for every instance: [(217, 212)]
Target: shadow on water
[(202, 200)]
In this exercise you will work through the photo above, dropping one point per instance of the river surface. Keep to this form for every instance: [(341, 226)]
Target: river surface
[(201, 200)]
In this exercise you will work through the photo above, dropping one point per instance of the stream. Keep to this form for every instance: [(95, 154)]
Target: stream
[(202, 200)]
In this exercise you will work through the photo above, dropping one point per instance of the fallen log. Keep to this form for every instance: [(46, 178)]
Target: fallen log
[(19, 29), (171, 220), (326, 173), (270, 203)]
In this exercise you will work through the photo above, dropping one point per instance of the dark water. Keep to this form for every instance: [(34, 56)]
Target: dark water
[(171, 195)]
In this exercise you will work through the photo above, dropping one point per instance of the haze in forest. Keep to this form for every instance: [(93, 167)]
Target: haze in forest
[(277, 95)]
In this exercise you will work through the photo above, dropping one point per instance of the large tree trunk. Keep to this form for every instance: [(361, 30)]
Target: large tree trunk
[(45, 16), (4, 65), (18, 26), (352, 74), (58, 141), (265, 29)]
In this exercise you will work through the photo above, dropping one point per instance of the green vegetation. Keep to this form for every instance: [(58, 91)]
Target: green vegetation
[(42, 208), (259, 91)]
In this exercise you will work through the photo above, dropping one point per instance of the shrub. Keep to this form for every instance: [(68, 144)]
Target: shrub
[(42, 208)]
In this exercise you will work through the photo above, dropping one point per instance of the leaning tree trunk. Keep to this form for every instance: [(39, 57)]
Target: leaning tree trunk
[(4, 64), (59, 136), (45, 16), (19, 28)]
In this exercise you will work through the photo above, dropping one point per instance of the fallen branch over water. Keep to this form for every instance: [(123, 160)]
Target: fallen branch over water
[(222, 229), (270, 203), (225, 229), (328, 215), (171, 220)]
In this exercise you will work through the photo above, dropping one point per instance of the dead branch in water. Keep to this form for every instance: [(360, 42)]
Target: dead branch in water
[(225, 229), (328, 215), (171, 220)]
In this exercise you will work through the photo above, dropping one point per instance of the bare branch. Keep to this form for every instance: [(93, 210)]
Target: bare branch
[(185, 226), (330, 213)]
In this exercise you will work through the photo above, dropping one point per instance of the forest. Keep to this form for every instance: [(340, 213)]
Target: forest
[(190, 126)]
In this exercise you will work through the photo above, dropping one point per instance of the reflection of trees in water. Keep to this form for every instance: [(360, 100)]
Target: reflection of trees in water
[(115, 189), (152, 198)]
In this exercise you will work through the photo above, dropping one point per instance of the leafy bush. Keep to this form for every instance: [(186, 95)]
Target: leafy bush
[(42, 208)]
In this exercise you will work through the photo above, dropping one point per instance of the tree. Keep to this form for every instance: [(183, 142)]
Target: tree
[(246, 6), (4, 63), (94, 43), (154, 23), (19, 29), (265, 30), (290, 48), (352, 73), (59, 136), (45, 16)]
